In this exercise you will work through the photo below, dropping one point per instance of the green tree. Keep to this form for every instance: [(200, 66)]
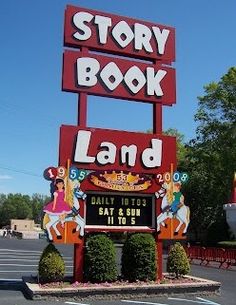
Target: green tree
[(7, 212), (180, 145), (2, 199), (15, 206), (18, 206), (211, 159), (37, 203), (21, 204)]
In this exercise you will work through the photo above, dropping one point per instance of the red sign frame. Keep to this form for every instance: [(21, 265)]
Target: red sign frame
[(167, 83), (67, 148), (111, 46)]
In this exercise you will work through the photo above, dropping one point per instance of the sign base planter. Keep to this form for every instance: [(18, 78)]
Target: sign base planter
[(104, 291)]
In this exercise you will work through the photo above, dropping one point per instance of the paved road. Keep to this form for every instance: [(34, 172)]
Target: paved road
[(25, 253), (20, 257)]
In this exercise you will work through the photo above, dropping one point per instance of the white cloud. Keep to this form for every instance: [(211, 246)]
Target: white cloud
[(5, 177)]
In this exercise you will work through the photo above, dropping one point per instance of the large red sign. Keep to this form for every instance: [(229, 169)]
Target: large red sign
[(103, 149), (120, 35), (108, 76)]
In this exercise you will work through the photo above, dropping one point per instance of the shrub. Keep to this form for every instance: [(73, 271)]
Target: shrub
[(51, 266), (139, 258), (100, 260), (177, 261)]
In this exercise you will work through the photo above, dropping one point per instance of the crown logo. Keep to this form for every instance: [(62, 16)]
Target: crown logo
[(121, 177)]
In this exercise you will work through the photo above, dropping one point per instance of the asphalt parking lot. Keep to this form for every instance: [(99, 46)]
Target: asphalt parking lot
[(20, 257)]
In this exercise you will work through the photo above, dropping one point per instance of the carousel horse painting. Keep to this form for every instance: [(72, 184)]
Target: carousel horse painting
[(181, 213), (51, 221)]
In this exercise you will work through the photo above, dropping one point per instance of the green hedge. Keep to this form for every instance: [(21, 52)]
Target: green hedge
[(139, 258), (51, 266), (100, 260), (177, 261)]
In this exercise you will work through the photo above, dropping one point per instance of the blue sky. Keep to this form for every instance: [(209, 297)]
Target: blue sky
[(32, 105)]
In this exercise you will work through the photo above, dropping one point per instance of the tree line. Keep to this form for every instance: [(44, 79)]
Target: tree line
[(18, 206), (210, 159)]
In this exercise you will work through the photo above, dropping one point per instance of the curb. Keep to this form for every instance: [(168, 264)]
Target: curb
[(202, 286)]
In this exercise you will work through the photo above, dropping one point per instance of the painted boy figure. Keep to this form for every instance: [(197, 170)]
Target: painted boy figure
[(178, 198)]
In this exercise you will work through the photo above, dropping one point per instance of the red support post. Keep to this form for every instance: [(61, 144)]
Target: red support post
[(82, 101), (82, 109), (157, 118), (79, 248), (159, 245), (159, 249), (157, 128), (78, 261)]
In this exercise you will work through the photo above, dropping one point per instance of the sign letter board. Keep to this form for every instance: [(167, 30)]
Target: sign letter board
[(105, 32), (116, 210), (120, 78), (104, 149)]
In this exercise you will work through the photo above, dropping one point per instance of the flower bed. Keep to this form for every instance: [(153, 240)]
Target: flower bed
[(118, 289), (167, 279)]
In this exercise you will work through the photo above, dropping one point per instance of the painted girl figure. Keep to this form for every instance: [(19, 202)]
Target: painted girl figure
[(58, 206)]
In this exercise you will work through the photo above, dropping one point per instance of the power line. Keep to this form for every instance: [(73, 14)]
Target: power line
[(20, 171)]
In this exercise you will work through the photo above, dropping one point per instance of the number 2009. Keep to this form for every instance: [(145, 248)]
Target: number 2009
[(176, 177)]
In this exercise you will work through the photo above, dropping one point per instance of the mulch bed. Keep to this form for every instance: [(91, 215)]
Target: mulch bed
[(167, 279)]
